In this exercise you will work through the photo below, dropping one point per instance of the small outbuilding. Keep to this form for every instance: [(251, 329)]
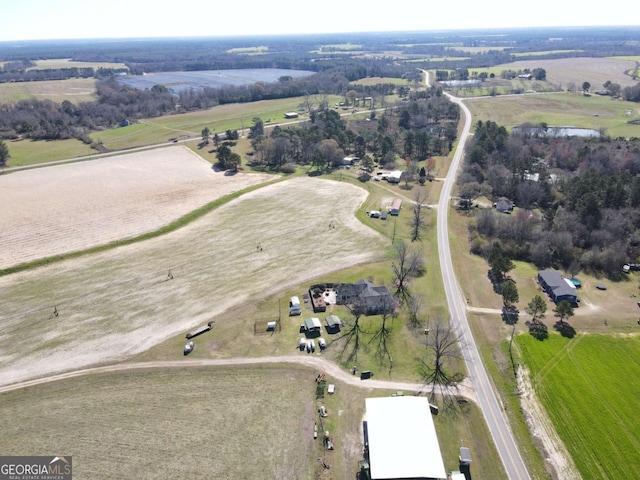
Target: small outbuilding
[(333, 324), (312, 325)]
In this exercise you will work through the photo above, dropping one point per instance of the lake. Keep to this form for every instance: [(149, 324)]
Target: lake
[(180, 81)]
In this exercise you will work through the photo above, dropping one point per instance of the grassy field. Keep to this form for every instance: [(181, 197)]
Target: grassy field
[(587, 385), (562, 75), (173, 423), (75, 90), (564, 109), (27, 152), (218, 119), (378, 80), (610, 315)]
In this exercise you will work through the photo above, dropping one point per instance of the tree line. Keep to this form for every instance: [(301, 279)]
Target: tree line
[(578, 198)]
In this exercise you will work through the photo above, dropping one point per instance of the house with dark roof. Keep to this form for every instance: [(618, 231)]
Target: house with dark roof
[(504, 205), (364, 295), (557, 287)]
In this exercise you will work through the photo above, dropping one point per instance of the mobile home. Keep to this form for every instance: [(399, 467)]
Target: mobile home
[(395, 207)]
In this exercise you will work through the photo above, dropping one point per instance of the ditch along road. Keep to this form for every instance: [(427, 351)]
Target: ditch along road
[(321, 365), (492, 408)]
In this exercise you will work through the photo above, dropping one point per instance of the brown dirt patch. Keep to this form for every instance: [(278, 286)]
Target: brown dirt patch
[(120, 303), (72, 207)]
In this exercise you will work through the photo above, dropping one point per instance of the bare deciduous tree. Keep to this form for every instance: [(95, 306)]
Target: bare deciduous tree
[(443, 345), (351, 336), (414, 307), (418, 221), (407, 264)]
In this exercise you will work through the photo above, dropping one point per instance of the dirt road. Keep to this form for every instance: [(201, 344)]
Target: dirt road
[(315, 362)]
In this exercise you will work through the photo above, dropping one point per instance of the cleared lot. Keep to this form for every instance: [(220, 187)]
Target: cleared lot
[(72, 207), (121, 302)]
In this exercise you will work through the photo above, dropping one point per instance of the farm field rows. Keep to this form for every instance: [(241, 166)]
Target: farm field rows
[(120, 302), (72, 207), (588, 386)]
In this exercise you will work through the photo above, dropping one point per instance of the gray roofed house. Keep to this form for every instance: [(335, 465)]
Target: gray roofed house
[(372, 299), (557, 287), (503, 204)]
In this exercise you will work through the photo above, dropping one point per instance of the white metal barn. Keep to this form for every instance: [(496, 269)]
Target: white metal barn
[(402, 439)]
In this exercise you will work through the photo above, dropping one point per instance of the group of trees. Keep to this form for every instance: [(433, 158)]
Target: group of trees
[(579, 198), (416, 130)]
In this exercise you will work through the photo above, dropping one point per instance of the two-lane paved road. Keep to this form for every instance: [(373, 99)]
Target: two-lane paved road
[(491, 407)]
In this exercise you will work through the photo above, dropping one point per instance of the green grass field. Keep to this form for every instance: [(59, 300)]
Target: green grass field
[(563, 109), (588, 386), (378, 80)]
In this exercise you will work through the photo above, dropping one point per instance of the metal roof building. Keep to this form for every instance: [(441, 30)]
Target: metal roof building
[(402, 440)]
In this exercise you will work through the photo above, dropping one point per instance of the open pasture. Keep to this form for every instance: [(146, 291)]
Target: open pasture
[(379, 80), (72, 207), (218, 119), (122, 301), (577, 70), (588, 386), (230, 422), (75, 90), (29, 152), (561, 109)]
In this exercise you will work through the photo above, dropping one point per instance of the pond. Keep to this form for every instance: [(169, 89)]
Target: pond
[(180, 81), (555, 132), (460, 83)]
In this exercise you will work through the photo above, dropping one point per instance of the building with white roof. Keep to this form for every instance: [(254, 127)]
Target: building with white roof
[(401, 439)]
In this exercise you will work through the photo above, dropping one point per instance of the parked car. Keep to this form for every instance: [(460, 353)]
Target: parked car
[(322, 344), (374, 213), (383, 216)]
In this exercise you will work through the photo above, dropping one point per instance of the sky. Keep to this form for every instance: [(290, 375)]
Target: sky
[(78, 19)]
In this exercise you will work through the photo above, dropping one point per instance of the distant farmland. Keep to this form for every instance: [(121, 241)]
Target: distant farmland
[(178, 81), (594, 412)]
